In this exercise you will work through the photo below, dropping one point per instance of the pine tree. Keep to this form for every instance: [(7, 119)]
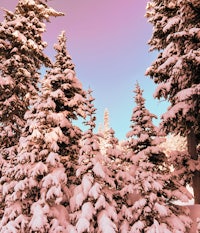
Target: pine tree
[(92, 202), (176, 34), (38, 192), (104, 132), (113, 150), (69, 98), (21, 55), (175, 148), (142, 128), (119, 166), (153, 211)]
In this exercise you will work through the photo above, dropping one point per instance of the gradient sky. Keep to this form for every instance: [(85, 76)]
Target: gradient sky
[(107, 40)]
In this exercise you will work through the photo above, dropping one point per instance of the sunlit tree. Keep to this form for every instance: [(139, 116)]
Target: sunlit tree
[(21, 55), (92, 204), (152, 208), (38, 191)]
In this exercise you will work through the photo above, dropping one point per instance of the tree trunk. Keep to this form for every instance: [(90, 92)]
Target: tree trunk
[(192, 150)]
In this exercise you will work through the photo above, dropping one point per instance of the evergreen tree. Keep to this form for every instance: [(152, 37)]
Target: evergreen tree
[(92, 202), (142, 129), (175, 148), (37, 194), (21, 55), (176, 34), (120, 168), (69, 97), (113, 150), (104, 132), (154, 210)]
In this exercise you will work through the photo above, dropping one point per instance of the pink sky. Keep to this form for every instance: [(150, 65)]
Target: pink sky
[(107, 40)]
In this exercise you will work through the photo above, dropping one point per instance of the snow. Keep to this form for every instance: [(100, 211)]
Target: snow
[(88, 211), (95, 190), (87, 183), (98, 170), (53, 159), (79, 199), (171, 22), (101, 202), (105, 224), (169, 61), (36, 134), (162, 210), (83, 225), (19, 36), (39, 218), (32, 45), (185, 94), (140, 203), (38, 169), (29, 2), (21, 185), (54, 193), (137, 227), (176, 223)]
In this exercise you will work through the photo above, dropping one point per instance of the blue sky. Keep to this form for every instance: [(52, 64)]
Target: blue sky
[(107, 41)]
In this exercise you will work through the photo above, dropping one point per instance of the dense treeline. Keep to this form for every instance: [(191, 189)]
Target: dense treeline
[(57, 178)]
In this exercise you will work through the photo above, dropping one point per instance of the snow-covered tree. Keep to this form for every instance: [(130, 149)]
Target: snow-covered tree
[(142, 129), (92, 203), (21, 55), (180, 164), (37, 194), (113, 149), (69, 97), (176, 34), (121, 170), (106, 122), (175, 142), (153, 209), (104, 132)]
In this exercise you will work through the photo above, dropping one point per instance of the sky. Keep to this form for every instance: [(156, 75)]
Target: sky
[(108, 43)]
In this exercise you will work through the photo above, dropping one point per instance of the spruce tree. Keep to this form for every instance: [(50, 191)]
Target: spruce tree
[(153, 210), (92, 203), (142, 126), (176, 35), (104, 132), (119, 166), (21, 55), (69, 97), (37, 194)]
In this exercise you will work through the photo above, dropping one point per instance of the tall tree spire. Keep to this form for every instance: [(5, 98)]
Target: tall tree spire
[(92, 202), (106, 120), (39, 183), (154, 210), (21, 56), (176, 30)]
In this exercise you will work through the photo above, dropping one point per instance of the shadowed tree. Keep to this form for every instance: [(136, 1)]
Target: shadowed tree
[(176, 35)]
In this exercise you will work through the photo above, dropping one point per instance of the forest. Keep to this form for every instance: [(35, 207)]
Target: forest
[(56, 177)]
